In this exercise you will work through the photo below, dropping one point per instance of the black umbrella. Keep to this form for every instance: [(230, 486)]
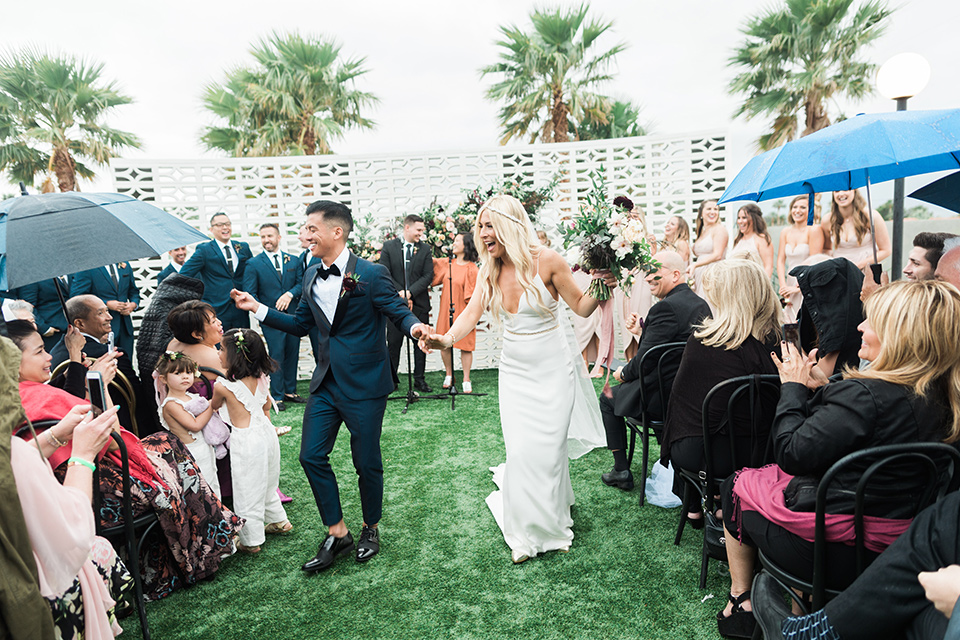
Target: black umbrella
[(944, 192)]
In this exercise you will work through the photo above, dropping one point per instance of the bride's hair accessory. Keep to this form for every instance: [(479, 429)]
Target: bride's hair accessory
[(505, 214)]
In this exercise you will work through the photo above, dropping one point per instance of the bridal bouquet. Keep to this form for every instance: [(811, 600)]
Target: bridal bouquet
[(608, 238)]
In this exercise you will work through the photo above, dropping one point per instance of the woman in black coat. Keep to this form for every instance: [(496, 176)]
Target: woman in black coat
[(910, 393)]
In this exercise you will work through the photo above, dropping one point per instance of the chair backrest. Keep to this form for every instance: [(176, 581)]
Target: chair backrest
[(38, 426), (208, 384), (757, 393), (939, 462), (662, 355)]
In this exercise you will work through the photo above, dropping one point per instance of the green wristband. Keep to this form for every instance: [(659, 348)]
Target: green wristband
[(81, 461)]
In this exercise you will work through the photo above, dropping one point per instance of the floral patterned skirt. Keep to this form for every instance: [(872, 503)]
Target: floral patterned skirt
[(68, 613), (194, 530)]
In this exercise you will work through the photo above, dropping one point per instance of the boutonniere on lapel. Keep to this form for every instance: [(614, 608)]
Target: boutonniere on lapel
[(286, 259), (351, 282), (121, 265), (236, 247)]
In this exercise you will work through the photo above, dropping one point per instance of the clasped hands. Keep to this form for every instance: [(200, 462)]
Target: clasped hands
[(123, 308), (797, 367)]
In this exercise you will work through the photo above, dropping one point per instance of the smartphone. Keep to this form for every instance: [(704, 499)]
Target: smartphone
[(97, 392), (111, 345), (791, 334)]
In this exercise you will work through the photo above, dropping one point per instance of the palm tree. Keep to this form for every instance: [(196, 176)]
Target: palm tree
[(52, 109), (620, 121), (547, 77), (799, 56), (297, 98)]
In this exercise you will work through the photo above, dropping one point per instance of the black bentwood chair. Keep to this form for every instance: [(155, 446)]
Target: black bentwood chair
[(938, 463), (662, 354)]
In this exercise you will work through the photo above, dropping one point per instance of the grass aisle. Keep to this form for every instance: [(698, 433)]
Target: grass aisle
[(444, 570)]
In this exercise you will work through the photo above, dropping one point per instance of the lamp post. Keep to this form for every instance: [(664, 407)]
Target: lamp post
[(900, 78)]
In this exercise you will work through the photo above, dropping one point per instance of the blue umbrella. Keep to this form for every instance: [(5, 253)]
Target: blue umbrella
[(47, 235), (944, 192), (854, 153)]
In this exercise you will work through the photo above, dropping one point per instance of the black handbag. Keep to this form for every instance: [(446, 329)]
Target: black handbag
[(713, 537)]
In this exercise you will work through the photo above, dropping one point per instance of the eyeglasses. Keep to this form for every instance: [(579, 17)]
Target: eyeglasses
[(221, 224)]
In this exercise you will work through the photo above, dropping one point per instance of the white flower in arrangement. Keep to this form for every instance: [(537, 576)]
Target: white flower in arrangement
[(621, 245), (633, 231), (377, 245), (572, 255), (616, 223)]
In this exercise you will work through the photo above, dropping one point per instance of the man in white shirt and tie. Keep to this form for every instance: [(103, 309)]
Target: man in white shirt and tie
[(350, 300), (220, 264), (411, 266)]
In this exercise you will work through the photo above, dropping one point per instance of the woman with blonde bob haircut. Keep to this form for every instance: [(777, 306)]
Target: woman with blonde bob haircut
[(520, 282), (910, 393), (735, 341)]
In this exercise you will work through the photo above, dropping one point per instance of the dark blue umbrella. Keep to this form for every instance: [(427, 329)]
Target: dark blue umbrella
[(47, 235), (863, 150), (944, 192)]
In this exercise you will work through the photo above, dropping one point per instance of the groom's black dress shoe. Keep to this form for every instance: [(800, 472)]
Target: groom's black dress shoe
[(369, 544), (328, 552), (622, 479)]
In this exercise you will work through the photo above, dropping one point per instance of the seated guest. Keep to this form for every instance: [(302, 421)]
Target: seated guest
[(925, 254), (910, 393), (948, 267), (80, 576), (195, 528), (16, 309), (116, 285), (734, 342), (669, 320), (909, 591), (831, 312)]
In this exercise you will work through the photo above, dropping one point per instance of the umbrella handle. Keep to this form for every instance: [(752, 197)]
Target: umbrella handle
[(876, 269), (873, 232), (63, 300), (810, 209)]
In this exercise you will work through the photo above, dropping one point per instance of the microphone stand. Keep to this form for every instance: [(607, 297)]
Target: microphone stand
[(452, 390)]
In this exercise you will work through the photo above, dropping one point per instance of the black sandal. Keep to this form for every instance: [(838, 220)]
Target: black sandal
[(740, 623)]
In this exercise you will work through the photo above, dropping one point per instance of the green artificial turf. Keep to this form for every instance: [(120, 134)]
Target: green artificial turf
[(444, 570)]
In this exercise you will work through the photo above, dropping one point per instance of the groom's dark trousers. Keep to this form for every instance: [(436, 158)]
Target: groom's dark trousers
[(351, 382)]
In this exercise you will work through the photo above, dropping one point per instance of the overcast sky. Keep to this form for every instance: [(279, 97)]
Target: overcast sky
[(423, 59)]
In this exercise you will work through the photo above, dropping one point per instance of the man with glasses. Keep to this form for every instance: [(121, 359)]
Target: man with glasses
[(220, 265)]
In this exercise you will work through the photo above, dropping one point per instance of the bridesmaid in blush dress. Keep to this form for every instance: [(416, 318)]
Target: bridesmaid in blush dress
[(711, 244), (847, 230), (752, 241), (798, 243)]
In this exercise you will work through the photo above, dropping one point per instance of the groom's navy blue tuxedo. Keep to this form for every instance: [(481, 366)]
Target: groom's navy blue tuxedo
[(351, 381)]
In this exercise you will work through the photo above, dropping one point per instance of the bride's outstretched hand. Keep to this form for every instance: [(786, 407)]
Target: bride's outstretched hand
[(434, 341)]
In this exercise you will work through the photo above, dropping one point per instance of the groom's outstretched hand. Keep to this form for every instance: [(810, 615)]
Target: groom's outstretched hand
[(244, 301)]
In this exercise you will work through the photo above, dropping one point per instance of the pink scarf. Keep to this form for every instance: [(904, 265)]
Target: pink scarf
[(761, 490)]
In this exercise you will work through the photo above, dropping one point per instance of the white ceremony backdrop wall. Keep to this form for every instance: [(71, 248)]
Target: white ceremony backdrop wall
[(666, 175)]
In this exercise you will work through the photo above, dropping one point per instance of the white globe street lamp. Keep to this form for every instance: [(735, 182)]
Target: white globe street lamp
[(900, 78)]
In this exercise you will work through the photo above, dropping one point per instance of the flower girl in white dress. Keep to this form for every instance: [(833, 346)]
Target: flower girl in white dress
[(254, 447)]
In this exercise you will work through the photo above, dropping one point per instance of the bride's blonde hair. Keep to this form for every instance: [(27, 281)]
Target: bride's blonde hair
[(519, 239)]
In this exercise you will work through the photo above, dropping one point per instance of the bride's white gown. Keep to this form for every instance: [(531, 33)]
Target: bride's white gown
[(539, 388)]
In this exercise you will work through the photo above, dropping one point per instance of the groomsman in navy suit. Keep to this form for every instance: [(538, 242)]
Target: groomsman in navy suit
[(274, 278), (177, 257), (116, 286), (220, 264), (350, 300), (307, 260), (47, 311)]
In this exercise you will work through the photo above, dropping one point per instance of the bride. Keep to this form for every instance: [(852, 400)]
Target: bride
[(520, 281)]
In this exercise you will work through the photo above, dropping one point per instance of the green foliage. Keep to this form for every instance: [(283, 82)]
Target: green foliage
[(298, 97), (918, 212), (547, 77), (620, 120), (799, 55), (56, 105), (532, 198)]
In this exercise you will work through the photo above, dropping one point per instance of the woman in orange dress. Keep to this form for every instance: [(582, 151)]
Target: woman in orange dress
[(464, 269)]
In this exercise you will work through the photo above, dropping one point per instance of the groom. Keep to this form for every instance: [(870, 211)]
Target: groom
[(349, 300)]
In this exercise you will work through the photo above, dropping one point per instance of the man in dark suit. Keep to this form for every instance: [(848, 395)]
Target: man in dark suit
[(670, 320), (116, 286), (307, 260), (47, 311), (177, 257), (410, 264), (92, 318), (220, 264), (274, 279), (350, 300)]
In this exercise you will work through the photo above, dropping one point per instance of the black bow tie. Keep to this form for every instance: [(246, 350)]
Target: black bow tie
[(323, 273)]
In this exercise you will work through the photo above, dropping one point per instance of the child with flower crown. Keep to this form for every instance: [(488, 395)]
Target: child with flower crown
[(254, 447), (185, 414)]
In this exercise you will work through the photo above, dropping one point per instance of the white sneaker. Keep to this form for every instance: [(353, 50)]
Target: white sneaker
[(467, 387), (447, 381)]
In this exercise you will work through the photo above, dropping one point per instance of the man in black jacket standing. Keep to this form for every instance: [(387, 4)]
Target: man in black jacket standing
[(670, 320), (410, 264)]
